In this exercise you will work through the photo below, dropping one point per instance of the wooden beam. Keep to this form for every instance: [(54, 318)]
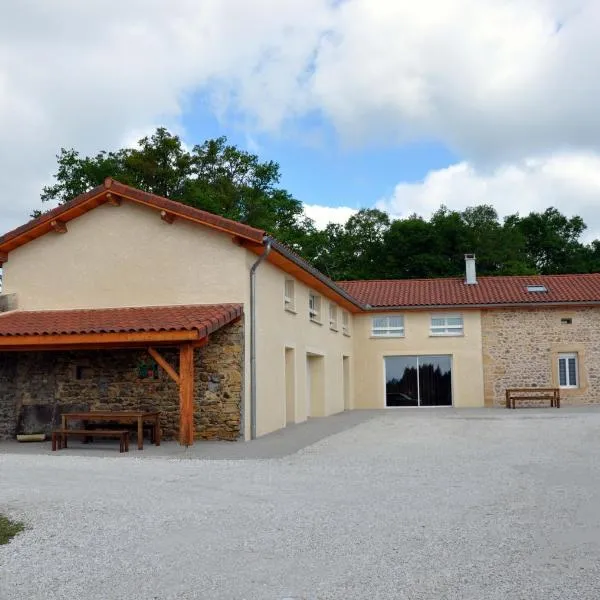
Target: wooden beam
[(58, 226), (186, 394), (167, 217), (113, 199), (164, 364), (3, 257), (200, 343), (95, 339)]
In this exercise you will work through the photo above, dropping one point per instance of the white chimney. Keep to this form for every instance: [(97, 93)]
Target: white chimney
[(470, 269)]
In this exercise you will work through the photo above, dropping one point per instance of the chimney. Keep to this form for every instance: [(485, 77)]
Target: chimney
[(471, 275)]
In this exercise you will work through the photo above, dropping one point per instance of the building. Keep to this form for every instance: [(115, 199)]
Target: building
[(124, 299)]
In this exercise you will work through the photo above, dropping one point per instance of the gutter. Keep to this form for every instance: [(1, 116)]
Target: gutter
[(267, 243)]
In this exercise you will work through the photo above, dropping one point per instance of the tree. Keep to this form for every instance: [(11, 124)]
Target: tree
[(352, 250), (213, 176)]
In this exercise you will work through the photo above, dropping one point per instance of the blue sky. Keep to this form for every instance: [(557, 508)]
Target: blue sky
[(403, 105), (317, 167)]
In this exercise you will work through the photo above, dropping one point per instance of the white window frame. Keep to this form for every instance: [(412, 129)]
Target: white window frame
[(333, 316), (387, 330), (346, 323), (314, 307), (566, 356), (289, 295), (445, 329)]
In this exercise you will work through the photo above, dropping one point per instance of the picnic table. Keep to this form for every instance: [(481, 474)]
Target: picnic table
[(118, 416)]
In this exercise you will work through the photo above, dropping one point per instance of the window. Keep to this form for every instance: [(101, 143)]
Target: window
[(568, 373), (566, 321), (289, 298), (388, 326), (314, 307), (345, 323), (447, 325), (537, 289), (333, 317)]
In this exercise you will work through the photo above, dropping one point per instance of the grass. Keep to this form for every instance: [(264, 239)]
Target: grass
[(8, 529)]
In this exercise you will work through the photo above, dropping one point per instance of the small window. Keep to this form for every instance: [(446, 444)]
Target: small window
[(392, 326), (568, 372), (345, 323), (447, 325), (314, 307), (333, 317), (537, 289), (566, 321), (289, 298)]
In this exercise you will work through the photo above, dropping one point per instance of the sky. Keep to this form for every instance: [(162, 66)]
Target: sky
[(402, 105)]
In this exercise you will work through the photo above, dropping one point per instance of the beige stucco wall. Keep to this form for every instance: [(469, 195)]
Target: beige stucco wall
[(521, 347), (467, 369), (278, 329), (126, 256)]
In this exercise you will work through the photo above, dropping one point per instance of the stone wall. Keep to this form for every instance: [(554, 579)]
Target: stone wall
[(111, 380), (521, 348)]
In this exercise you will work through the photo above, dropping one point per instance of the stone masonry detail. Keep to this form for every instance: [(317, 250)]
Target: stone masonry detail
[(109, 380), (521, 348)]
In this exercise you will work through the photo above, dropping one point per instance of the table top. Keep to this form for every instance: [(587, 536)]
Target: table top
[(99, 414)]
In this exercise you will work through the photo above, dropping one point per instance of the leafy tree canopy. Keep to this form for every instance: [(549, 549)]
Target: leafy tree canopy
[(225, 180)]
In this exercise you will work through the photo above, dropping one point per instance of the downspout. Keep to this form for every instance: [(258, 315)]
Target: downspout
[(253, 336)]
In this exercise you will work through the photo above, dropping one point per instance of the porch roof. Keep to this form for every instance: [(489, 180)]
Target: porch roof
[(128, 326)]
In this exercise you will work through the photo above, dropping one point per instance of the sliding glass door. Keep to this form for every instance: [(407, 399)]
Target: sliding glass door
[(418, 380)]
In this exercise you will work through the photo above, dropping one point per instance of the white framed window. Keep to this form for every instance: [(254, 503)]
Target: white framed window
[(345, 323), (289, 296), (568, 370), (314, 307), (447, 325), (390, 326), (333, 317)]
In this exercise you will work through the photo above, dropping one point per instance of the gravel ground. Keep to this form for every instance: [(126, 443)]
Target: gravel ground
[(409, 505)]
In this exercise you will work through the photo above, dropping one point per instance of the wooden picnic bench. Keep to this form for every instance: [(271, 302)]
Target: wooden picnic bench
[(121, 417), (514, 395), (60, 436)]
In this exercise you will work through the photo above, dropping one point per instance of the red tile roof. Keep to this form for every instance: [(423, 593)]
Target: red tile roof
[(562, 289), (99, 195), (204, 318)]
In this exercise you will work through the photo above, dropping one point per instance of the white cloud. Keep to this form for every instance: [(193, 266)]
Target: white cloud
[(323, 215), (570, 182), (496, 81)]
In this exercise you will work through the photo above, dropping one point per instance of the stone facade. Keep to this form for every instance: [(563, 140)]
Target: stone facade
[(128, 380), (521, 348)]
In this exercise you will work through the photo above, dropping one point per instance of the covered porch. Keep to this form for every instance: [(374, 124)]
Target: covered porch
[(184, 361)]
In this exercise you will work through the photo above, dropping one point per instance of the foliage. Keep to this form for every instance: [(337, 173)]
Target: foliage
[(213, 176), (225, 180), (8, 529)]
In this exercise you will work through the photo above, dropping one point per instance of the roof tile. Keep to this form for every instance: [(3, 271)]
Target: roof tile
[(204, 318), (503, 290)]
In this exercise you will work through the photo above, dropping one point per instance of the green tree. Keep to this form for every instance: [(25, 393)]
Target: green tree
[(213, 176)]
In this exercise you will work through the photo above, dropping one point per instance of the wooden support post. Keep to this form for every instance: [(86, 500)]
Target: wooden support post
[(164, 364), (186, 394)]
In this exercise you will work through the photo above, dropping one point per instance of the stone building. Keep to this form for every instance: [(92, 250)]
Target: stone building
[(122, 299)]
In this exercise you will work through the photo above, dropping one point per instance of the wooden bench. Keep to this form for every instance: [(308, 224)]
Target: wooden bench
[(513, 395), (59, 436)]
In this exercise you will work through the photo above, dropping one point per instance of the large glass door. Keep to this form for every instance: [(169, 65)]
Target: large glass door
[(418, 380)]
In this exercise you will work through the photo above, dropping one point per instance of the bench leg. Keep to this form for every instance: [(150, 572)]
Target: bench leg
[(126, 441), (53, 442), (64, 440)]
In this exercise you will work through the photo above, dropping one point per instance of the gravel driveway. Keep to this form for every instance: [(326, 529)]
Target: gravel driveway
[(432, 504)]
